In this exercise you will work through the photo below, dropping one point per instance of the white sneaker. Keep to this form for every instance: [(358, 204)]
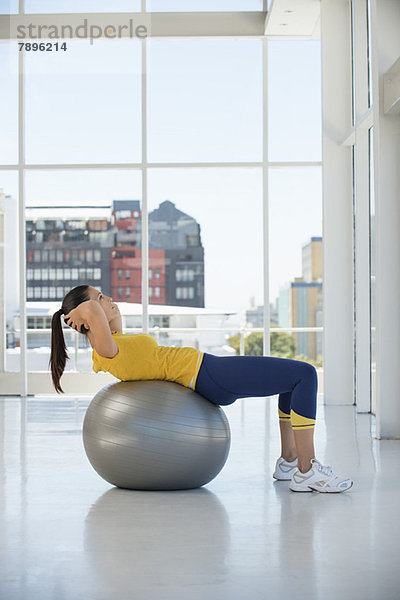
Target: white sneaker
[(284, 469), (318, 478)]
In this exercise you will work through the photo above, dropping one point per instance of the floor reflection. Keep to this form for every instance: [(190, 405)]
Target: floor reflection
[(137, 538)]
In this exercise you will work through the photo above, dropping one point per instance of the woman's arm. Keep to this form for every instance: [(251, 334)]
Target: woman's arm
[(116, 322), (77, 317), (94, 319)]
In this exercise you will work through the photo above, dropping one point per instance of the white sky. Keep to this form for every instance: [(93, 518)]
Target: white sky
[(204, 104)]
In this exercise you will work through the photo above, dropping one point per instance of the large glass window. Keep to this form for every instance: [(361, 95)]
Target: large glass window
[(223, 209), (208, 221), (86, 107), (203, 5), (294, 100), (81, 6), (62, 201), (8, 7), (101, 6), (8, 103), (204, 100), (295, 255), (206, 229)]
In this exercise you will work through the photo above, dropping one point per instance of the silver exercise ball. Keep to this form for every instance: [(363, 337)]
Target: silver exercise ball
[(155, 435)]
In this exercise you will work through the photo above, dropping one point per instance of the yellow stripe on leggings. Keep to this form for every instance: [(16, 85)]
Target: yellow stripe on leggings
[(283, 416), (299, 422)]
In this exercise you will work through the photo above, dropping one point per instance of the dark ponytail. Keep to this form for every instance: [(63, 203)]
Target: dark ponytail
[(59, 354)]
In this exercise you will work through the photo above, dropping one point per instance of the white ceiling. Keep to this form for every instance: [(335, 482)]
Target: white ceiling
[(294, 18)]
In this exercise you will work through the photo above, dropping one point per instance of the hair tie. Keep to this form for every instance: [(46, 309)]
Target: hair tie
[(60, 312)]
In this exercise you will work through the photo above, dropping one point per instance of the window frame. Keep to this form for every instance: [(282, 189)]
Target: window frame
[(227, 22)]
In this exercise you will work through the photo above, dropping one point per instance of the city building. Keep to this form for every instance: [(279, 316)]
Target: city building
[(105, 252), (178, 235), (64, 252), (126, 253), (255, 315), (300, 302)]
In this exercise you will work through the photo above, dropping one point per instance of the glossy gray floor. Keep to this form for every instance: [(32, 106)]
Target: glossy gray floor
[(67, 534)]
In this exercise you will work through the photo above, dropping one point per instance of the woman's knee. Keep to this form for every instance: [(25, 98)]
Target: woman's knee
[(309, 371)]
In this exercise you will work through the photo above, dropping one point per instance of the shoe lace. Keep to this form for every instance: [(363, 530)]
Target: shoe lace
[(326, 470), (334, 479)]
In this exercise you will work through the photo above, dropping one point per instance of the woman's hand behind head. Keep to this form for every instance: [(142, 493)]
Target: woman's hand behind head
[(77, 317)]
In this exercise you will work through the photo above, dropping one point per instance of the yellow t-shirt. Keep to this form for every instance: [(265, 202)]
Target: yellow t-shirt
[(140, 357)]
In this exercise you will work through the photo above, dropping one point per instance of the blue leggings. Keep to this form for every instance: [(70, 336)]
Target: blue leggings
[(224, 379)]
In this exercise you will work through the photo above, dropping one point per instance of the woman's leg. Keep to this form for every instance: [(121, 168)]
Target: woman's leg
[(224, 379), (288, 444), (298, 442), (305, 449), (297, 445)]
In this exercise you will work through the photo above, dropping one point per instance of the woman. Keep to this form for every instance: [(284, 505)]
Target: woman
[(219, 379)]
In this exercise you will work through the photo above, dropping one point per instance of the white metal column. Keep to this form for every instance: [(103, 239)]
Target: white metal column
[(385, 17), (145, 212), (21, 221), (363, 120), (337, 203), (267, 342), (362, 278)]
